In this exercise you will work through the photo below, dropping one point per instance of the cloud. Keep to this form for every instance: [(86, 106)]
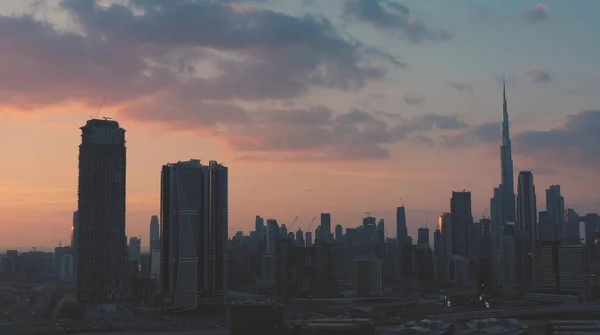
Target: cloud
[(539, 13), (539, 75), (474, 135), (187, 64), (208, 50), (574, 143), (463, 87), (414, 99), (393, 17)]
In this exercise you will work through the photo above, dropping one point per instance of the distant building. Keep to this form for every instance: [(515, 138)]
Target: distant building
[(309, 240), (461, 222), (134, 249), (367, 277), (325, 227), (555, 205), (423, 236), (154, 233), (526, 209), (339, 232), (66, 270), (101, 212)]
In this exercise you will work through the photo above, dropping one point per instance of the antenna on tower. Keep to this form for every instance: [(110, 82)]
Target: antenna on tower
[(99, 108), (368, 214)]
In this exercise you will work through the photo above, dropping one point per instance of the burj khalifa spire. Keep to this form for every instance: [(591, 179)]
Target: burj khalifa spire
[(507, 184)]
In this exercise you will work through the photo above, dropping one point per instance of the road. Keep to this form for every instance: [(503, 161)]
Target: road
[(517, 311)]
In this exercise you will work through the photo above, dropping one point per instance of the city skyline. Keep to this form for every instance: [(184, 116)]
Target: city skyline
[(440, 115)]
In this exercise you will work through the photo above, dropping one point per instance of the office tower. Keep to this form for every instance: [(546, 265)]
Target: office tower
[(300, 238), (423, 236), (555, 205), (445, 223), (318, 234), (507, 184), (134, 249), (526, 209), (339, 232), (194, 220), (101, 212), (461, 221), (475, 238), (380, 231), (308, 236), (401, 229), (326, 227), (437, 243), (273, 232), (572, 227), (154, 233), (259, 227)]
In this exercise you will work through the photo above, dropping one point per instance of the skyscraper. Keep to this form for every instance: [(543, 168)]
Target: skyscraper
[(401, 229), (445, 223), (194, 219), (462, 220), (526, 209), (154, 233), (325, 227), (101, 212), (507, 184), (555, 205)]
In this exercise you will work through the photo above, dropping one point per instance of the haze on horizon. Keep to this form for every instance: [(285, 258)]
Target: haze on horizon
[(346, 106)]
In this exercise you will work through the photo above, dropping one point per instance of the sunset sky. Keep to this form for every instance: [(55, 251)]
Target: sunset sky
[(340, 106)]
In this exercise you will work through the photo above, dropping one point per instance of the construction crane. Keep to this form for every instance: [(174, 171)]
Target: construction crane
[(99, 108), (311, 223), (294, 222)]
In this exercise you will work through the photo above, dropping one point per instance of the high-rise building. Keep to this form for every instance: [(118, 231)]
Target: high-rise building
[(462, 220), (308, 237), (101, 212), (572, 229), (401, 229), (273, 233), (526, 209), (423, 236), (134, 251), (259, 227), (445, 227), (339, 232), (194, 220), (437, 243), (555, 206), (380, 235), (154, 233), (325, 227), (507, 184)]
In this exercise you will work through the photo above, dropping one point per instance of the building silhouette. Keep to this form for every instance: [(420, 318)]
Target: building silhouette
[(154, 233), (461, 222), (526, 208), (101, 212), (194, 227)]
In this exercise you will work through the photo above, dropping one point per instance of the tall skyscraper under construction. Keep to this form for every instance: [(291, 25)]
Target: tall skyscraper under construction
[(101, 212)]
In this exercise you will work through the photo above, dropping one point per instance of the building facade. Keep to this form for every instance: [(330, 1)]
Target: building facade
[(194, 233), (101, 212)]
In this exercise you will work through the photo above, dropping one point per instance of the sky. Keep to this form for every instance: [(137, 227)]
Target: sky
[(339, 106)]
